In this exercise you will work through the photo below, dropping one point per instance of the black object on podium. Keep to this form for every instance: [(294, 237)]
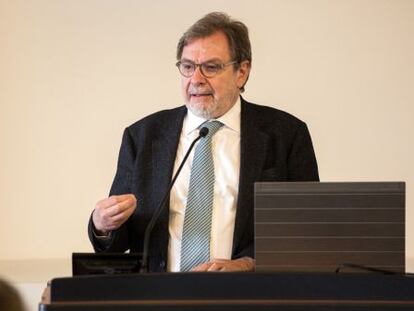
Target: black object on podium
[(105, 263), (232, 291)]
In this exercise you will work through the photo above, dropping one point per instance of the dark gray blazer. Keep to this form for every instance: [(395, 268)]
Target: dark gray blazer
[(274, 146)]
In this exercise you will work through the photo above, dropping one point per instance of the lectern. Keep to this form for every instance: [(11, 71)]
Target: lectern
[(232, 291), (303, 232)]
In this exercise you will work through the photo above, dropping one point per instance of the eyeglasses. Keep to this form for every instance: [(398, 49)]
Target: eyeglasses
[(208, 69)]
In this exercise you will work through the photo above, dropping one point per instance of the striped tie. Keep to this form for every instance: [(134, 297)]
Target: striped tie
[(195, 243)]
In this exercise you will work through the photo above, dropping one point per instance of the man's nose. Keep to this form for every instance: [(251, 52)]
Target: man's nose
[(197, 76)]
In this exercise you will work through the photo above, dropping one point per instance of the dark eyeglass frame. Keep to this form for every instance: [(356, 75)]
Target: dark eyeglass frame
[(220, 68)]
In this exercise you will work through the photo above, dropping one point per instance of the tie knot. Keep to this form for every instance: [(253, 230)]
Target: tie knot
[(213, 127)]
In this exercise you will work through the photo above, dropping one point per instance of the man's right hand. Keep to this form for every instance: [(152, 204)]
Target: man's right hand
[(110, 213)]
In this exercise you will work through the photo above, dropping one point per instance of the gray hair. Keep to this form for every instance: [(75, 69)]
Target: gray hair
[(236, 32)]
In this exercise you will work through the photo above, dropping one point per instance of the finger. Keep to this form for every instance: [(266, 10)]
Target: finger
[(215, 267), (114, 200), (123, 197), (112, 225), (201, 267), (118, 219), (107, 202), (219, 260), (121, 217), (120, 207)]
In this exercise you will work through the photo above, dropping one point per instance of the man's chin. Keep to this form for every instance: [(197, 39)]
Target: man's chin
[(201, 100), (202, 111)]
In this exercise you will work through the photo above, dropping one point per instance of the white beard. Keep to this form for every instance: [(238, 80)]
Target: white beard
[(205, 113)]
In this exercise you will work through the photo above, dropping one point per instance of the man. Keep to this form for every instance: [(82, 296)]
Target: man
[(252, 143)]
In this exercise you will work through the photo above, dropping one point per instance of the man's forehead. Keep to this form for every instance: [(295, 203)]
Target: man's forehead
[(212, 46), (207, 60)]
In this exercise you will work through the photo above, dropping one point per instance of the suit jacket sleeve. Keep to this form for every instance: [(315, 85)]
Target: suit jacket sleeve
[(302, 165), (122, 184)]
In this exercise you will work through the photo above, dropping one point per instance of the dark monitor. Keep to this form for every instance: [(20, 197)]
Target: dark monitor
[(330, 226), (105, 263)]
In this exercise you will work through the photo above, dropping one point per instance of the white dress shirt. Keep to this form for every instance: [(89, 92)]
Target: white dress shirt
[(226, 156)]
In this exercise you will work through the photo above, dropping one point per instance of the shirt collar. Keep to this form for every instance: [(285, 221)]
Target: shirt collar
[(231, 119)]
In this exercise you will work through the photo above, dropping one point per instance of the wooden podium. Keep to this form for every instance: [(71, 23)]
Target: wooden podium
[(232, 291)]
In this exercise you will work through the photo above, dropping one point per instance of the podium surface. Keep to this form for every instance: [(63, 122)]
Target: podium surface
[(232, 291)]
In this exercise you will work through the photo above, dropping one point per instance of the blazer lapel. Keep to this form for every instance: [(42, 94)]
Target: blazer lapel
[(253, 147), (164, 149)]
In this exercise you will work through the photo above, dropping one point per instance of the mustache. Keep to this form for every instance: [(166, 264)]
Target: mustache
[(200, 91)]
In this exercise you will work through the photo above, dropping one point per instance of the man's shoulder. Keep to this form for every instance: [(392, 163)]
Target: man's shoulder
[(159, 119), (269, 115)]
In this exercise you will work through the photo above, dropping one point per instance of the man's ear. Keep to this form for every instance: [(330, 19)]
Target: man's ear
[(243, 73)]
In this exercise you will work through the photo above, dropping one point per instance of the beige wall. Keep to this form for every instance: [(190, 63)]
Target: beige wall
[(74, 73)]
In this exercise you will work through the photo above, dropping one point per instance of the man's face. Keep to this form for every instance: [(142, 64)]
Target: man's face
[(212, 97)]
